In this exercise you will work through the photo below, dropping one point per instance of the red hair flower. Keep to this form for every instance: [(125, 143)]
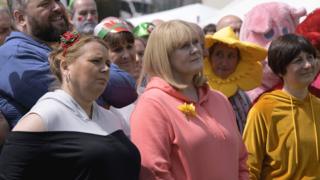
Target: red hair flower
[(68, 39)]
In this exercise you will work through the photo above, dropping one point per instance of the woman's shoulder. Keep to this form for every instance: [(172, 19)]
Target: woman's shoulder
[(265, 107), (30, 123), (51, 106), (155, 95), (269, 98), (36, 119)]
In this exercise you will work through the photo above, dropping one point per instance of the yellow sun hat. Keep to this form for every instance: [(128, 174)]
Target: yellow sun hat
[(248, 73)]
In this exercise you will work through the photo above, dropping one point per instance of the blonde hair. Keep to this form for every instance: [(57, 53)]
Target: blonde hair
[(163, 40), (72, 52)]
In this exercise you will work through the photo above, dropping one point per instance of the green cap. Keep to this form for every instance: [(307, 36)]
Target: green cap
[(143, 29)]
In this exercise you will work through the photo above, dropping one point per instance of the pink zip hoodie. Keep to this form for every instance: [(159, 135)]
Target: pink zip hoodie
[(207, 146)]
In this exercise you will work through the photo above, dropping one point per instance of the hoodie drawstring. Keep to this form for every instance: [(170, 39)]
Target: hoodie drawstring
[(295, 131), (296, 134), (315, 129)]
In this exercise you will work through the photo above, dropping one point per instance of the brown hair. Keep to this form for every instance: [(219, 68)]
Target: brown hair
[(115, 39), (72, 52), (284, 49)]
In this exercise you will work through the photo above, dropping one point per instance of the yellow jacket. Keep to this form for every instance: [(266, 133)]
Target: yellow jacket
[(282, 137)]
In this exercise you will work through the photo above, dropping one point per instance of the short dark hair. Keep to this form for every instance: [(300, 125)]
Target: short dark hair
[(284, 49), (210, 28), (115, 39)]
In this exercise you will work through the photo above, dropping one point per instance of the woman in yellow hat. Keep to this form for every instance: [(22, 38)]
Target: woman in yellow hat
[(232, 67)]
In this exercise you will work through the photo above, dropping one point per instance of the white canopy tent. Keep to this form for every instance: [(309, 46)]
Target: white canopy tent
[(241, 7), (195, 13)]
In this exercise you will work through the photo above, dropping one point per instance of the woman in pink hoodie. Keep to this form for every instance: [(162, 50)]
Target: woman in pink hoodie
[(184, 130)]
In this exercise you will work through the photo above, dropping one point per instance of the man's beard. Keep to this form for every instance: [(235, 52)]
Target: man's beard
[(86, 27), (46, 31)]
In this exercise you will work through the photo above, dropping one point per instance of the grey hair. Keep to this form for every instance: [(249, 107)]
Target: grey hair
[(16, 5)]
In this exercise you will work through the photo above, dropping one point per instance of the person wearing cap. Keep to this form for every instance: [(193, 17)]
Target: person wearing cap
[(143, 30), (282, 134), (232, 67), (66, 135), (141, 33), (120, 40), (182, 129), (121, 87)]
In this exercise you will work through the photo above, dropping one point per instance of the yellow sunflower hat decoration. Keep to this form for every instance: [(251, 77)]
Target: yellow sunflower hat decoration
[(248, 73)]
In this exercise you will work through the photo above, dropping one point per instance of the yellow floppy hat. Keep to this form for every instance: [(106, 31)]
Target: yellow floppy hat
[(248, 74), (248, 51)]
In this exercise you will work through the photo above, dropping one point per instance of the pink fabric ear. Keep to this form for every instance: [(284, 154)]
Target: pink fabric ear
[(279, 17), (296, 14), (260, 18), (258, 21)]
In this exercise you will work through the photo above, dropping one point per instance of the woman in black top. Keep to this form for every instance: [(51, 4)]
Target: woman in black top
[(66, 135)]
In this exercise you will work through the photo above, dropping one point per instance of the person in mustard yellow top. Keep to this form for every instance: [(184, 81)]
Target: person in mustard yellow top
[(282, 133)]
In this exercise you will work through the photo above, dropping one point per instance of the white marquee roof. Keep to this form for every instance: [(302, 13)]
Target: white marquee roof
[(204, 15)]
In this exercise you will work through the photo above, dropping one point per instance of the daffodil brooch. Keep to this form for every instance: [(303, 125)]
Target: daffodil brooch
[(188, 109)]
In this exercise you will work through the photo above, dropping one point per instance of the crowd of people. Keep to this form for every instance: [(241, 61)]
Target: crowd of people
[(87, 99)]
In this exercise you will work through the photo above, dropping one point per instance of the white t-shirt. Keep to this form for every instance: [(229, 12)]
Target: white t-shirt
[(60, 112)]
